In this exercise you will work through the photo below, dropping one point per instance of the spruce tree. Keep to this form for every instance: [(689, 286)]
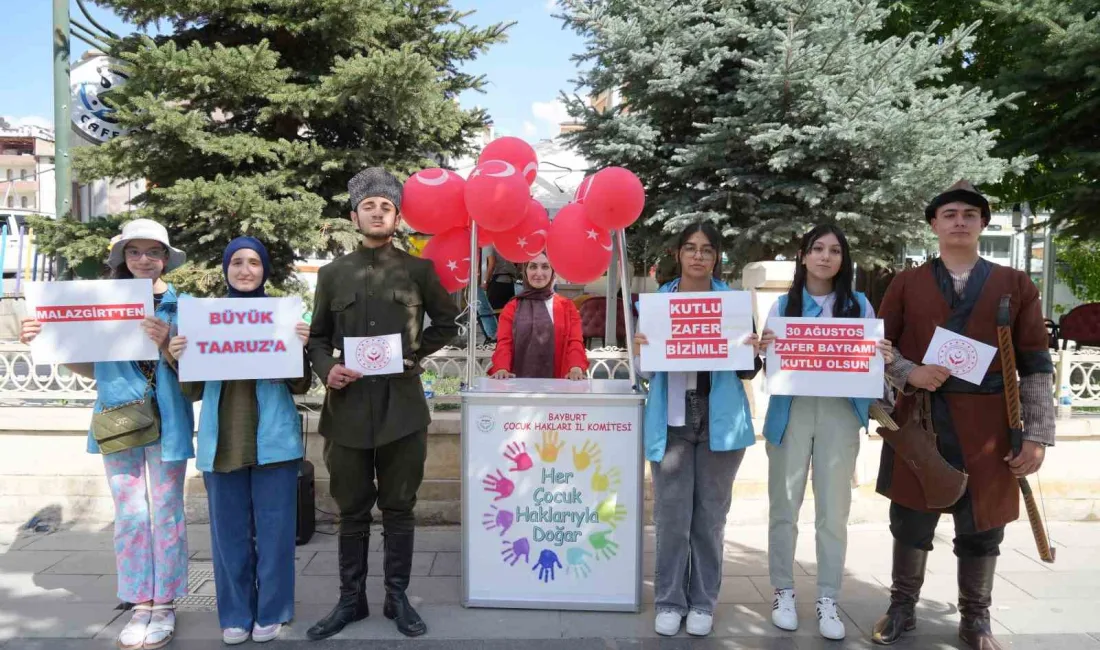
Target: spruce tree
[(771, 116), (249, 117)]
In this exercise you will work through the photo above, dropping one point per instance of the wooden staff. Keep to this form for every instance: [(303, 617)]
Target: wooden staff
[(1016, 426)]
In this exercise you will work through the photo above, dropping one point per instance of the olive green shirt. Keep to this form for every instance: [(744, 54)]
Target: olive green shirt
[(373, 292)]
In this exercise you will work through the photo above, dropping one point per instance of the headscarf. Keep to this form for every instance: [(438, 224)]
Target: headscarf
[(250, 243), (533, 332)]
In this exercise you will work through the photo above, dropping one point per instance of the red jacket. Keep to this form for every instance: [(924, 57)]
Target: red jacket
[(569, 349)]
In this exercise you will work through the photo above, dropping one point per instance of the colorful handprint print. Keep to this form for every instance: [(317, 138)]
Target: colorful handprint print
[(547, 561), (517, 453), (610, 511), (576, 559), (548, 450), (604, 547), (606, 482), (515, 550), (502, 519), (589, 453), (499, 484)]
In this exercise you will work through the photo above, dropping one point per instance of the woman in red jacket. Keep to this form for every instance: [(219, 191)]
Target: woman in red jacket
[(540, 332)]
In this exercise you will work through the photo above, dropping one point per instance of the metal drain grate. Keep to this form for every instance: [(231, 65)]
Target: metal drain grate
[(200, 590)]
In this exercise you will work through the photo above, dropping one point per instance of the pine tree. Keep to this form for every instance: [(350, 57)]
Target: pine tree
[(771, 116), (250, 117)]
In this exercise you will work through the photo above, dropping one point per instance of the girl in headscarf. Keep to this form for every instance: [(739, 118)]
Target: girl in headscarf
[(540, 332), (249, 450)]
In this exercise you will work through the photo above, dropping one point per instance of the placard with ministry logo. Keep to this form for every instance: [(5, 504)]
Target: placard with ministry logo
[(552, 502), (966, 358), (374, 355), (696, 331)]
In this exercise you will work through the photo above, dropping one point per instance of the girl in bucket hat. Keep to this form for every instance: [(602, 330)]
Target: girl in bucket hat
[(146, 482)]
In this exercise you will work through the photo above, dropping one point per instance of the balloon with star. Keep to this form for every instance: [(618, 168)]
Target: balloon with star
[(578, 249), (450, 253), (524, 242), (434, 201), (497, 196)]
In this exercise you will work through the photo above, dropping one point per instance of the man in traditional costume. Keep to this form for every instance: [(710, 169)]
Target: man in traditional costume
[(961, 292)]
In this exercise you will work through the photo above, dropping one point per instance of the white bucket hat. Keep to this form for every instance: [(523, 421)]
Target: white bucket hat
[(144, 229)]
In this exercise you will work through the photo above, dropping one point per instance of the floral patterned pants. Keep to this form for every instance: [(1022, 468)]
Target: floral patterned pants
[(150, 527)]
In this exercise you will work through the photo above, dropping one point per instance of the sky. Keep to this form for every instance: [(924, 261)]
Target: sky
[(524, 75)]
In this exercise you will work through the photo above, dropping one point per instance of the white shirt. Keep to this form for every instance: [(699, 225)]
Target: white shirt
[(826, 302)]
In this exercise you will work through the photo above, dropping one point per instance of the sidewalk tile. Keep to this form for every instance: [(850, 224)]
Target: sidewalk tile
[(75, 541), (608, 625), (86, 563), (431, 590), (1051, 585), (1049, 617), (447, 563), (30, 561), (444, 622), (46, 589), (59, 620)]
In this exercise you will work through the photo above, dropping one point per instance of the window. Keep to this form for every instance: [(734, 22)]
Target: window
[(995, 246), (22, 201), (11, 175), (22, 174), (11, 201)]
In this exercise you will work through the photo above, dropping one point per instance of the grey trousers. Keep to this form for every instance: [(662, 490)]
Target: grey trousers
[(692, 487)]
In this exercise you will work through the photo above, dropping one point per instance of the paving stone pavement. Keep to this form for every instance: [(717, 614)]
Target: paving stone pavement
[(57, 591)]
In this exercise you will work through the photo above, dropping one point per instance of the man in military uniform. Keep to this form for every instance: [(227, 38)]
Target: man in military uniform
[(376, 427)]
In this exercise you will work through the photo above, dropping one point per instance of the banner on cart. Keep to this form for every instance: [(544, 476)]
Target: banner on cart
[(91, 320), (696, 331), (553, 498), (825, 357), (240, 338)]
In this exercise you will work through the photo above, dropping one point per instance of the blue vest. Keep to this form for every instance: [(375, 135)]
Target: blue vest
[(118, 382), (730, 419), (779, 406), (278, 434)]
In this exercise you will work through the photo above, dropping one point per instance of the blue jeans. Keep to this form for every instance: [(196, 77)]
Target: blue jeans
[(253, 513)]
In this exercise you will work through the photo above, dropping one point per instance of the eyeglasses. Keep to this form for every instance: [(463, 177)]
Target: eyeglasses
[(705, 252), (158, 254)]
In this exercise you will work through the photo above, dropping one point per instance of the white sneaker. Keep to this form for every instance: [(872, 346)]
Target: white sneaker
[(667, 623), (784, 615), (828, 621), (234, 635), (265, 633), (699, 624)]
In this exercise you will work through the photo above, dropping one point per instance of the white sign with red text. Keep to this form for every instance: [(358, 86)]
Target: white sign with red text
[(240, 338), (696, 331), (966, 358), (91, 320), (825, 357), (374, 355)]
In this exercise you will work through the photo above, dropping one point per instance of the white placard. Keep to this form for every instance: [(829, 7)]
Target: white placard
[(91, 320), (552, 497), (696, 331), (966, 358), (240, 338), (825, 357), (374, 355)]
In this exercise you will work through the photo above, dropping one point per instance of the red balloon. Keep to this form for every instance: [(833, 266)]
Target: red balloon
[(450, 252), (524, 242), (578, 249), (615, 198), (582, 189), (515, 151), (484, 237), (434, 200), (496, 196)]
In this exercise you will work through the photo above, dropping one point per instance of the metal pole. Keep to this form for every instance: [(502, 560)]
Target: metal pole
[(628, 312), (1049, 270), (610, 313), (62, 162), (471, 319)]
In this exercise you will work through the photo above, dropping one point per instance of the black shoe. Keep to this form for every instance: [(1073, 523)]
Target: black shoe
[(352, 605), (908, 578), (398, 565)]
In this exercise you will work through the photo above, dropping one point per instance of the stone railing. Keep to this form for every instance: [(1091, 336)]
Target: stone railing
[(1082, 367), (21, 381)]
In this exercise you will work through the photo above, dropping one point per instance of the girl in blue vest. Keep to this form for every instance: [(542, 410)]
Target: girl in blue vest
[(146, 482), (822, 431), (697, 426), (249, 449)]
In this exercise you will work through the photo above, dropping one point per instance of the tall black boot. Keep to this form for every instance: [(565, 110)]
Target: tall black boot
[(975, 598), (908, 578), (398, 566), (352, 606)]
